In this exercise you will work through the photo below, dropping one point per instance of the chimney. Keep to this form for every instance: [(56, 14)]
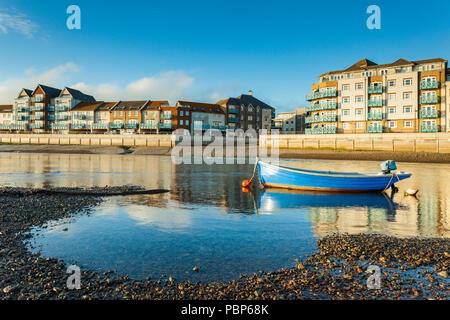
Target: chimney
[(250, 92)]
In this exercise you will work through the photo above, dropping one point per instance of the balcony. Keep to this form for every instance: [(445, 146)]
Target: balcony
[(147, 125), (20, 118), (100, 125), (321, 130), (324, 118), (429, 113), (131, 125), (60, 126), (374, 89), (323, 94), (165, 126), (62, 108), (429, 85), (63, 117), (51, 108), (375, 116), (429, 99), (78, 116), (37, 108), (233, 120), (166, 116), (51, 118), (375, 103), (233, 110), (374, 129), (37, 99), (37, 117), (37, 126), (429, 127), (21, 109), (116, 125), (18, 126), (273, 115), (322, 106), (78, 126)]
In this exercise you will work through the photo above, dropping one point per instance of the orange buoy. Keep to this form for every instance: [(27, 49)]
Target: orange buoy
[(246, 183)]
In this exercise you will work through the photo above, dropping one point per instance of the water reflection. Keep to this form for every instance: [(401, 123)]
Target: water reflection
[(207, 220)]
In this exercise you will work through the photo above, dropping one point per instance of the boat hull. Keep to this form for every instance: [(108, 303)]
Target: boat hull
[(281, 177)]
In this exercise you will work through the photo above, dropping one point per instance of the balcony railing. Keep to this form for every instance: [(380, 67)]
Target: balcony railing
[(61, 117), (147, 125), (21, 109), (429, 99), (429, 113), (374, 89), (375, 116), (429, 127), (100, 125), (37, 108), (322, 130), (77, 116), (77, 126), (323, 94), (375, 103), (233, 110), (37, 99), (60, 126), (37, 117), (429, 85), (18, 126), (20, 118), (322, 106), (131, 125), (233, 120), (116, 125), (324, 118), (166, 116), (51, 108), (37, 126), (374, 129), (165, 126), (51, 118), (62, 108)]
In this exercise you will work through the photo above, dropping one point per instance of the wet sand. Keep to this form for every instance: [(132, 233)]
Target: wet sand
[(283, 153)]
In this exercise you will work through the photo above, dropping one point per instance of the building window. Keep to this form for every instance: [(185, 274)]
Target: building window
[(346, 125), (187, 122), (391, 96), (181, 113), (358, 99), (360, 125), (346, 112), (359, 112), (346, 100), (121, 113), (345, 87), (407, 82), (392, 124), (391, 110), (181, 122), (358, 86), (129, 113), (407, 124), (406, 95), (115, 113), (391, 83), (407, 109)]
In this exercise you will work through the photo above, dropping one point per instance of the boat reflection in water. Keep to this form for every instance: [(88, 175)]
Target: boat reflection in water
[(331, 212)]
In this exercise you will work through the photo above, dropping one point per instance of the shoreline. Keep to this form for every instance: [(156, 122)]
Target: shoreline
[(412, 268), (415, 157)]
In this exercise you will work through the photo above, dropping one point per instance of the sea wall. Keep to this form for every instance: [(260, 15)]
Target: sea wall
[(396, 142), (151, 140)]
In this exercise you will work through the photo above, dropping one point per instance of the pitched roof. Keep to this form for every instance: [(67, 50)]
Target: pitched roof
[(361, 64), (28, 92), (87, 106), (106, 106), (53, 92), (7, 108), (156, 104), (401, 62), (131, 105), (201, 106), (78, 95), (245, 99)]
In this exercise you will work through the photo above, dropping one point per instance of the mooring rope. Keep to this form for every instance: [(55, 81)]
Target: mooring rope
[(392, 177)]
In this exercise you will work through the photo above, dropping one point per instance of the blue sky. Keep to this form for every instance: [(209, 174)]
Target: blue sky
[(206, 50)]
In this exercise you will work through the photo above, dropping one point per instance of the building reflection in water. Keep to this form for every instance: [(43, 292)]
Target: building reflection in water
[(194, 186)]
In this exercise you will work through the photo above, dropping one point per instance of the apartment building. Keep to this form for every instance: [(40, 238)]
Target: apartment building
[(102, 117), (82, 116), (21, 110), (127, 115), (204, 116), (151, 115), (403, 96), (6, 117), (42, 109), (61, 120), (247, 112)]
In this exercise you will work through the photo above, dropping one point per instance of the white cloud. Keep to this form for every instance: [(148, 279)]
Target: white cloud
[(57, 77), (168, 85), (17, 22)]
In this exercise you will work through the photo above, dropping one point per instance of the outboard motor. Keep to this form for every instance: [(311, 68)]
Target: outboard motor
[(387, 166)]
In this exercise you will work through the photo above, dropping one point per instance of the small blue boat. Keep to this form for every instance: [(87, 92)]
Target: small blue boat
[(290, 178)]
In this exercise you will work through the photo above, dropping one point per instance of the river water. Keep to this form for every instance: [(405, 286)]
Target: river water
[(208, 221)]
